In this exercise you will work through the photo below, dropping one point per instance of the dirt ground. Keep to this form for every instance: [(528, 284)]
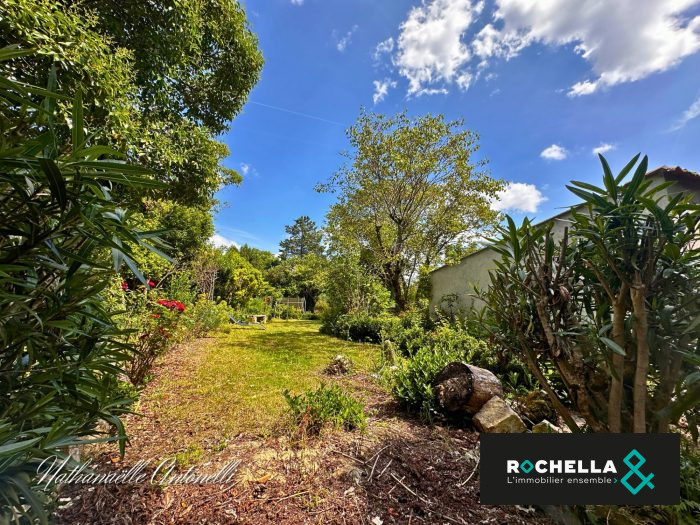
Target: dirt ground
[(398, 471)]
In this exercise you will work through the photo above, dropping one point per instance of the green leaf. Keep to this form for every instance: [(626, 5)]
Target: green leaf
[(608, 178), (623, 173), (55, 180), (19, 446), (612, 345), (78, 131)]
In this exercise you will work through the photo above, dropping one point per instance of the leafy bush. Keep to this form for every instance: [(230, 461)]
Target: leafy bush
[(611, 306), (285, 311), (206, 316), (333, 406), (60, 354), (411, 379)]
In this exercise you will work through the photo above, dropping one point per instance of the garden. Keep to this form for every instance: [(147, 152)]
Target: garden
[(128, 338)]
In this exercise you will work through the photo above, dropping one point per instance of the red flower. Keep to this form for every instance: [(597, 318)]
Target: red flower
[(151, 283), (125, 286), (156, 316), (172, 304)]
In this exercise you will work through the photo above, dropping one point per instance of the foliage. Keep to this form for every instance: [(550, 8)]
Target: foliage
[(61, 357), (358, 327), (206, 316), (285, 311), (160, 79), (299, 276), (303, 238), (612, 307), (412, 378), (349, 289), (314, 409), (260, 259), (237, 281), (150, 326), (409, 191)]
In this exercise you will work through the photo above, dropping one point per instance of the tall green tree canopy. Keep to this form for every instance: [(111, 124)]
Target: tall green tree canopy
[(410, 190), (303, 238), (159, 79)]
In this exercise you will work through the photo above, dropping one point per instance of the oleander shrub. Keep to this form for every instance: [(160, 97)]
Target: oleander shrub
[(61, 351), (326, 406)]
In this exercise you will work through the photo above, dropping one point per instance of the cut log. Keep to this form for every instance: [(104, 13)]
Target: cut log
[(465, 388)]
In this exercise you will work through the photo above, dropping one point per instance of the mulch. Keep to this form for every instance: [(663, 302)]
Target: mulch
[(399, 471)]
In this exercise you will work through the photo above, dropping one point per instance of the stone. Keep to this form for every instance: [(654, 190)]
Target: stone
[(496, 417), (545, 427), (340, 365)]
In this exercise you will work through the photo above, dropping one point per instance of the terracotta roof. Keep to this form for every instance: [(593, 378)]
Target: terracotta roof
[(675, 173)]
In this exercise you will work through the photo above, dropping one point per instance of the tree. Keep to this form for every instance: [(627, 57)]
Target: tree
[(160, 79), (303, 238), (260, 259), (409, 191), (237, 281), (612, 309), (299, 277)]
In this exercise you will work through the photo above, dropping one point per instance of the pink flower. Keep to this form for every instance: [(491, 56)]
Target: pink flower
[(125, 286)]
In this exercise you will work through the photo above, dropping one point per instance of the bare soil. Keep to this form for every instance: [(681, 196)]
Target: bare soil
[(398, 471)]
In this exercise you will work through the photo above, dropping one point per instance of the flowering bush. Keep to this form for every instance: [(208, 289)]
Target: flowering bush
[(172, 304)]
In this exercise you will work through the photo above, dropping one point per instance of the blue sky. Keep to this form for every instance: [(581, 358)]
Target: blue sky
[(543, 83)]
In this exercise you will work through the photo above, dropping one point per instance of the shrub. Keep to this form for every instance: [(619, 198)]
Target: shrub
[(60, 354), (284, 311), (332, 406), (611, 306), (206, 316), (411, 380)]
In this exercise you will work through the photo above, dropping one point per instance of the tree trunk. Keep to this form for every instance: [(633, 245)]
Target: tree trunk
[(618, 362), (640, 373), (465, 388)]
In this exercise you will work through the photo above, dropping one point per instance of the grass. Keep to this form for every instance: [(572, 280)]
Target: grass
[(237, 384)]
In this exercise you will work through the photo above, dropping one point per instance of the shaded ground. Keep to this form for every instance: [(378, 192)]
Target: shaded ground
[(219, 400)]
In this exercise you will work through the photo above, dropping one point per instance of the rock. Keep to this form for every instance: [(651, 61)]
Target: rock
[(340, 365), (465, 388), (495, 417), (534, 406), (545, 427)]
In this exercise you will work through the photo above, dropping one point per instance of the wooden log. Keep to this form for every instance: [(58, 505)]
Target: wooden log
[(465, 388)]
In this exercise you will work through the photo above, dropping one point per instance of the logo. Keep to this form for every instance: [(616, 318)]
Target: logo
[(574, 469), (634, 469)]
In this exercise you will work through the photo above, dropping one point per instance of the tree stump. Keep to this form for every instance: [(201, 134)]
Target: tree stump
[(465, 388)]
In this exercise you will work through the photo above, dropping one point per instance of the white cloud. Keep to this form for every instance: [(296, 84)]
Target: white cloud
[(603, 148), (297, 2), (554, 152), (624, 40), (381, 89), (430, 46), (344, 42), (519, 197), (245, 168), (219, 241), (689, 114), (385, 46)]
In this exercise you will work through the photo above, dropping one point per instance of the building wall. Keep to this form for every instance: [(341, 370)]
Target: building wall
[(452, 287)]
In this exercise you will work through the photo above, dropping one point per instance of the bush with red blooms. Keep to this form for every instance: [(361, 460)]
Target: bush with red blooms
[(172, 304)]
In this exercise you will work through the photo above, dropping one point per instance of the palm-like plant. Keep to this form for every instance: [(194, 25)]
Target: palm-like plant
[(612, 309), (61, 354)]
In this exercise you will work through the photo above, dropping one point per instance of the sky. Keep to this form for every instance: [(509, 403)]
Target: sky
[(547, 85)]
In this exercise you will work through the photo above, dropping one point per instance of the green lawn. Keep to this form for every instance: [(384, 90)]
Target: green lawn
[(238, 381)]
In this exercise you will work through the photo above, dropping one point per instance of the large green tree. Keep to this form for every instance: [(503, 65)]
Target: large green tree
[(160, 79), (410, 190), (303, 238)]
